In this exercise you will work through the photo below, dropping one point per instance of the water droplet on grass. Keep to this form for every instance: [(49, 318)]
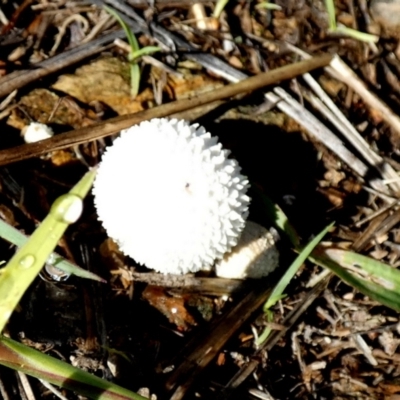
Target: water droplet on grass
[(67, 208), (27, 261)]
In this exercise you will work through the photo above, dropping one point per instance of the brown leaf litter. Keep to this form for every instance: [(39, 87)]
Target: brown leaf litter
[(328, 340)]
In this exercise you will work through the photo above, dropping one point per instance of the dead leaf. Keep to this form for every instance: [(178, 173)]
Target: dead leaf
[(44, 106), (190, 84), (62, 157), (172, 307), (388, 342), (106, 80)]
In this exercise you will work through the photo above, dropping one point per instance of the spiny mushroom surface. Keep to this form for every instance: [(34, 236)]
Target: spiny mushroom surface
[(169, 196)]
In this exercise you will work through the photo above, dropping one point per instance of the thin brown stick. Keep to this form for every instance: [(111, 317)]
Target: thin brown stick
[(114, 125), (247, 369), (166, 3), (204, 346), (18, 79), (190, 283)]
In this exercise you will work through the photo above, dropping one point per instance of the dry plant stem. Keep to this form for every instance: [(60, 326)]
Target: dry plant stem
[(198, 112), (166, 3), (204, 346), (395, 358), (388, 223), (247, 369), (18, 79), (97, 28), (295, 110), (259, 394), (25, 385), (314, 280), (332, 112), (3, 392), (357, 339), (114, 125), (380, 195), (63, 29), (200, 16), (190, 283), (369, 232), (384, 169), (362, 346), (170, 42), (378, 227), (52, 389), (339, 70), (376, 213), (8, 100), (3, 18), (339, 119)]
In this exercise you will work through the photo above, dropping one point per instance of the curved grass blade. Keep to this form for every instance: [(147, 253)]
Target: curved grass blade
[(382, 285), (377, 270), (277, 292), (17, 238), (135, 79), (361, 36), (279, 219), (135, 52), (383, 295), (34, 363), (145, 51), (133, 43), (297, 263), (219, 7), (24, 266), (330, 8)]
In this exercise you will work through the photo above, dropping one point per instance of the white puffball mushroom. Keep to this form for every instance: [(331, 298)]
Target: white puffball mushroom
[(36, 131), (168, 195), (255, 255)]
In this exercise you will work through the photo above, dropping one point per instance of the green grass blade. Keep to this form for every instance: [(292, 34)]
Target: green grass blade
[(219, 7), (330, 8), (14, 236), (277, 292), (133, 43), (383, 295), (145, 51), (135, 52), (362, 36), (24, 266), (11, 234), (135, 79), (25, 359), (279, 219), (377, 270), (289, 274)]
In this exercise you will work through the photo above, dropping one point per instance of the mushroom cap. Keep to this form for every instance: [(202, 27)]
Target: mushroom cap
[(255, 255), (166, 192), (36, 131)]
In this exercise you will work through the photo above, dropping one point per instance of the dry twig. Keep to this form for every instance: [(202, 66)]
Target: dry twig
[(114, 125), (18, 79)]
